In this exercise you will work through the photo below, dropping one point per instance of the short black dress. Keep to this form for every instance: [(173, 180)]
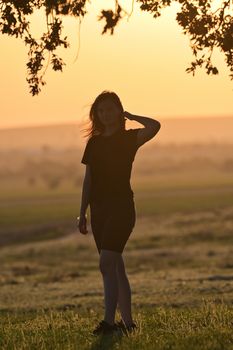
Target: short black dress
[(112, 207)]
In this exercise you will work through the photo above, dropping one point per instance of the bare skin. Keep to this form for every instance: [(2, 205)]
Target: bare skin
[(111, 264), (124, 293), (108, 267), (116, 287)]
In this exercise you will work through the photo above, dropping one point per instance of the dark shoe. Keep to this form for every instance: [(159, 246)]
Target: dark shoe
[(120, 324), (104, 328)]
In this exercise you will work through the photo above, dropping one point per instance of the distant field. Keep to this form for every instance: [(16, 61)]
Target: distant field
[(41, 213)]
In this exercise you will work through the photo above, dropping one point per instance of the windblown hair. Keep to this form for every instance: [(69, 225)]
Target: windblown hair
[(96, 127)]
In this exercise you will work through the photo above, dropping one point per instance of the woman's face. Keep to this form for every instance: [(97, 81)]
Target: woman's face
[(108, 112)]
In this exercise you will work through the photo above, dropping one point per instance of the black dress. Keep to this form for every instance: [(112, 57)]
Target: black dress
[(112, 208)]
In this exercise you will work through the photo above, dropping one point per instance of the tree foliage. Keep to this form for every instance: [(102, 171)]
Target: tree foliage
[(207, 27)]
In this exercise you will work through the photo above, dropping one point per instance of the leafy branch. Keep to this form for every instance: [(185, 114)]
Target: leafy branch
[(207, 30)]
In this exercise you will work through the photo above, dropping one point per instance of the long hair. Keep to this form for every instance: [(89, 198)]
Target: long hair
[(96, 127)]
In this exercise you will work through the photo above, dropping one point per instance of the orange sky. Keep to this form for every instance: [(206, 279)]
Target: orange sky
[(143, 62)]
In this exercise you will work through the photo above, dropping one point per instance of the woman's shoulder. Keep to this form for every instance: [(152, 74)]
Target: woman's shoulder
[(92, 139), (132, 132)]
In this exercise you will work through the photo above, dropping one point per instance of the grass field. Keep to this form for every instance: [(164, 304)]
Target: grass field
[(179, 260)]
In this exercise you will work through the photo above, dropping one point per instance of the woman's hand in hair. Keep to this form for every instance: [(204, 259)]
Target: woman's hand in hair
[(128, 115), (82, 224)]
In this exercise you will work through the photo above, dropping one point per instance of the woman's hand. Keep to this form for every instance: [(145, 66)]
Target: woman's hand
[(82, 224), (128, 115)]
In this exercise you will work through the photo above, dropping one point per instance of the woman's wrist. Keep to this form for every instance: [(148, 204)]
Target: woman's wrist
[(128, 115), (146, 121)]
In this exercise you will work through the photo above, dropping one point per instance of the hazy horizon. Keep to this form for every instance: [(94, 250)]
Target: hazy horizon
[(72, 134), (73, 121)]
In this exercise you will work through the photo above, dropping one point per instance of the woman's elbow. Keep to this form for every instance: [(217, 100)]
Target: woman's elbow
[(156, 127)]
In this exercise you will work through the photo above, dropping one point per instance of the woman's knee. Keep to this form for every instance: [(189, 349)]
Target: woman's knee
[(121, 268), (108, 261)]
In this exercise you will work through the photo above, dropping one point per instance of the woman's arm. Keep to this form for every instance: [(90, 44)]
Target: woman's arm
[(85, 200), (152, 127)]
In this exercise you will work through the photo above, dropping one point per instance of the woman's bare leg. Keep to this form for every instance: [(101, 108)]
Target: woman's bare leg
[(124, 293), (108, 267)]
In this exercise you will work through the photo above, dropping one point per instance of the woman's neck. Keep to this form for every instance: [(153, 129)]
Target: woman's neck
[(110, 130)]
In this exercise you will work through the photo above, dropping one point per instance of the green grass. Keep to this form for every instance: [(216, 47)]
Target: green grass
[(185, 201), (207, 327)]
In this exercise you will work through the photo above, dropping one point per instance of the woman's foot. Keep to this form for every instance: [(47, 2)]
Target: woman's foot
[(129, 328), (104, 328)]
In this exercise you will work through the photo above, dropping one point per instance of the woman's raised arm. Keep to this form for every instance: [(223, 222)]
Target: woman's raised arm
[(151, 127)]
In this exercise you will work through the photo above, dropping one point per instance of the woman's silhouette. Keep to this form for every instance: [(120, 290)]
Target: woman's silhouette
[(108, 155)]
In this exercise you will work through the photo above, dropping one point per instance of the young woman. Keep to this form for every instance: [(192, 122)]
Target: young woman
[(108, 155)]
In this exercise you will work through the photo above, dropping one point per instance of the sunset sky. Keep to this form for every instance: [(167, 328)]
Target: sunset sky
[(144, 62)]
